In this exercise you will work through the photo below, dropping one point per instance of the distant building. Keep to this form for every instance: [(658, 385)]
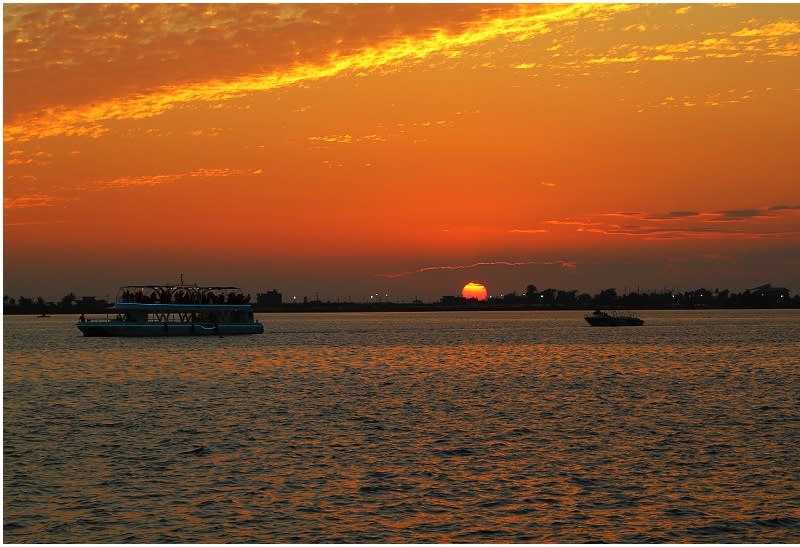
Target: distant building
[(453, 300), (269, 298)]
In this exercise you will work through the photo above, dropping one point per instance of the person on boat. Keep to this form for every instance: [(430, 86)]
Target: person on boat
[(82, 319)]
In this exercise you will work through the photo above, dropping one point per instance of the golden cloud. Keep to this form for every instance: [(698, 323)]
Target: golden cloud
[(154, 180), (779, 28), (91, 120)]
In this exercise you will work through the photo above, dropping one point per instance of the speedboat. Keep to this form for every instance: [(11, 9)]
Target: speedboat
[(613, 319), (175, 310)]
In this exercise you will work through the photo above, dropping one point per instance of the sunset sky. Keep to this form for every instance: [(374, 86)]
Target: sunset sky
[(350, 150)]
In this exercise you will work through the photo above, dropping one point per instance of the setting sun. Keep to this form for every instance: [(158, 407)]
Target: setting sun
[(474, 290)]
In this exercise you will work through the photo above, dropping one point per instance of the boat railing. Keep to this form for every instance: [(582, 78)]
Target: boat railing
[(181, 295)]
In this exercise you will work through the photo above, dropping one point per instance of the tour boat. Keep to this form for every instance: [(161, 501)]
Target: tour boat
[(603, 319), (175, 310)]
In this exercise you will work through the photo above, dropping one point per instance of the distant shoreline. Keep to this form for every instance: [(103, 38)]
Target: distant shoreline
[(762, 297), (335, 307)]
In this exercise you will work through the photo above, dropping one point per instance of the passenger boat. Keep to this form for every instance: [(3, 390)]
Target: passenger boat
[(175, 310), (604, 319)]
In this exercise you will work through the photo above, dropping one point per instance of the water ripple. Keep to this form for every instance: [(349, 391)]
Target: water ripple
[(408, 428)]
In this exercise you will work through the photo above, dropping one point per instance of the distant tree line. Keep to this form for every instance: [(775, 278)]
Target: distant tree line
[(765, 296), (68, 304)]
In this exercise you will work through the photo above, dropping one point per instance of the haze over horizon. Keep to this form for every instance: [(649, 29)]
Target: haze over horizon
[(346, 150)]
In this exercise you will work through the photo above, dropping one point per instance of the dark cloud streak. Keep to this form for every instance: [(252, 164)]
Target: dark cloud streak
[(692, 224)]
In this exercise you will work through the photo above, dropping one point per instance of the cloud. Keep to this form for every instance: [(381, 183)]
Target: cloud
[(641, 27), (208, 132), (49, 222), (572, 222), (754, 223), (773, 39), (715, 99), (676, 214), (740, 214), (611, 60), (155, 180), (528, 231), (21, 157), (344, 139), (347, 139), (694, 232), (784, 208), (28, 201), (565, 264), (384, 52), (778, 28)]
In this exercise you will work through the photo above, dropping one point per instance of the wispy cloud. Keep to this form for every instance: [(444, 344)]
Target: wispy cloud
[(692, 232), (18, 224), (208, 132), (154, 180), (528, 231), (565, 264), (724, 98), (346, 139), (60, 195), (774, 39), (29, 200), (22, 157), (784, 208), (778, 28), (92, 120), (739, 215), (675, 214), (776, 222)]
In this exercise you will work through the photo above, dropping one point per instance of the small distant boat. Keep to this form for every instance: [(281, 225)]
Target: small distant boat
[(613, 319), (175, 310), (42, 315)]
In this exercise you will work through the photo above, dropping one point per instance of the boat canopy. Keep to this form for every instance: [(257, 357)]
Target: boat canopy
[(181, 294)]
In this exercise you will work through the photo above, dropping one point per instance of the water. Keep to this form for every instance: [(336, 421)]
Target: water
[(417, 427)]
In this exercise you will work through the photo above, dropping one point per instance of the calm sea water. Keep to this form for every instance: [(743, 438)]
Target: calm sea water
[(418, 427)]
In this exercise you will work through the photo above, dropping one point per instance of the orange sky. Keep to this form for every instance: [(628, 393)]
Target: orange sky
[(347, 150)]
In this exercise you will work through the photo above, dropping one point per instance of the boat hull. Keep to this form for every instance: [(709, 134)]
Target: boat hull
[(614, 321), (118, 328)]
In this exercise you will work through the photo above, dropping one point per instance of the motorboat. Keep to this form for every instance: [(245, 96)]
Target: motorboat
[(612, 319), (175, 310)]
